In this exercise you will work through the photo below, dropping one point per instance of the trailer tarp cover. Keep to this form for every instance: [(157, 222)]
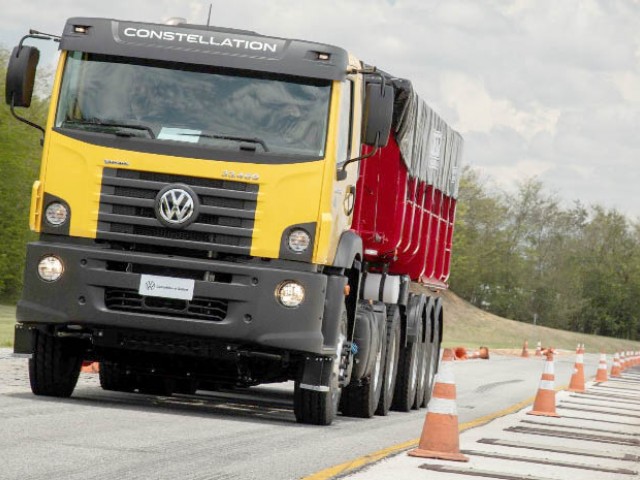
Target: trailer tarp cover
[(431, 149)]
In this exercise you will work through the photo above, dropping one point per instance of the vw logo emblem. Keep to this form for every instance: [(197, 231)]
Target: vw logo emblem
[(176, 206)]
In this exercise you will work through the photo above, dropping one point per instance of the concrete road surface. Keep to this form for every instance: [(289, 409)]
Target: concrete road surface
[(597, 436), (245, 434)]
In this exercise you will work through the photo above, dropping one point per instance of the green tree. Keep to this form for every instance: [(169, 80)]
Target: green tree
[(522, 255), (610, 269)]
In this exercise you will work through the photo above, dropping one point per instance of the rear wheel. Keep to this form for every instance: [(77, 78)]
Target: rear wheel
[(55, 366), (433, 357), (360, 399), (407, 377), (423, 361), (391, 363)]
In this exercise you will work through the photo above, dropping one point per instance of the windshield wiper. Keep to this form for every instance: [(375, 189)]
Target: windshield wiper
[(221, 136), (112, 123)]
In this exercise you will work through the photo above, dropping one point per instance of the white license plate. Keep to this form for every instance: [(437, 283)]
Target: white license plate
[(166, 287)]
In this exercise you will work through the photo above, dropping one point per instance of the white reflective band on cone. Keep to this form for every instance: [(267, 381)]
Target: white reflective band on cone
[(446, 375), (548, 367), (602, 366), (547, 385), (603, 357), (442, 406), (580, 358)]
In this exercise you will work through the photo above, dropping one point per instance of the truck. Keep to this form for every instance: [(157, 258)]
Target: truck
[(218, 209)]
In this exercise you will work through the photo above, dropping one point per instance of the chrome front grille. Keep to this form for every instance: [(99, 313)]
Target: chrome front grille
[(224, 223)]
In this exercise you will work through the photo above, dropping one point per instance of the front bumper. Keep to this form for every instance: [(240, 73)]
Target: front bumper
[(243, 292)]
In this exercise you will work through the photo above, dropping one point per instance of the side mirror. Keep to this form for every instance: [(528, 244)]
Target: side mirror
[(377, 115), (21, 74)]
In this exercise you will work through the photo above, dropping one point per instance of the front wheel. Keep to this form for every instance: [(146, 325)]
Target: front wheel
[(55, 366), (318, 405)]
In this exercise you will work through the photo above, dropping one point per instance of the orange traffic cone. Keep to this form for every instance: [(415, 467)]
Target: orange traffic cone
[(90, 367), (628, 359), (623, 362), (577, 379), (615, 368), (460, 353), (484, 353), (440, 436), (539, 349), (525, 350), (601, 375), (545, 402)]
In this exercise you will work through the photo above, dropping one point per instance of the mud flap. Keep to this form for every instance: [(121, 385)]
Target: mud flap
[(316, 373), (23, 340)]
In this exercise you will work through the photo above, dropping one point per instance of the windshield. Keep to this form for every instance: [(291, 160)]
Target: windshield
[(168, 102)]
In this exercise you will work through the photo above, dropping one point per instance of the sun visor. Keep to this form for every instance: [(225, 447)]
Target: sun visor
[(202, 45)]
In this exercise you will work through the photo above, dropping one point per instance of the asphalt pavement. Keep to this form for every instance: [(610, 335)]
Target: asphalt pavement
[(245, 434)]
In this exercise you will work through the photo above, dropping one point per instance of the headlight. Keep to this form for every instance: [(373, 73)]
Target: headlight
[(50, 268), (56, 214), (298, 240), (290, 294)]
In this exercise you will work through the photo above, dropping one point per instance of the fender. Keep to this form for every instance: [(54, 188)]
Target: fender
[(349, 248), (333, 307)]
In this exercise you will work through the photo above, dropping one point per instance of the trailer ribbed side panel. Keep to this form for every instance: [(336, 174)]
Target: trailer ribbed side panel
[(406, 193)]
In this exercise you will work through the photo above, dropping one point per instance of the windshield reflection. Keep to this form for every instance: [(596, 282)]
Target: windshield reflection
[(195, 104)]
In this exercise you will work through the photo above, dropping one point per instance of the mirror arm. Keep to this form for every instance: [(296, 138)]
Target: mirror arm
[(342, 173), (38, 36), (371, 71), (24, 120)]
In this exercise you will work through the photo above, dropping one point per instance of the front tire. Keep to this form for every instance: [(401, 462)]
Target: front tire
[(315, 407), (55, 366), (318, 407)]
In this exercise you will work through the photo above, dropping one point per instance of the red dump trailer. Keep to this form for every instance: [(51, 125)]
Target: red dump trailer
[(406, 202)]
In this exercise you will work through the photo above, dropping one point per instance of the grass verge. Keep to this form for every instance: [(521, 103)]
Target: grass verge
[(468, 326), (7, 320)]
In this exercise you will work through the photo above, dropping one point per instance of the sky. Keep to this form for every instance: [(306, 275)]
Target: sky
[(538, 88)]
